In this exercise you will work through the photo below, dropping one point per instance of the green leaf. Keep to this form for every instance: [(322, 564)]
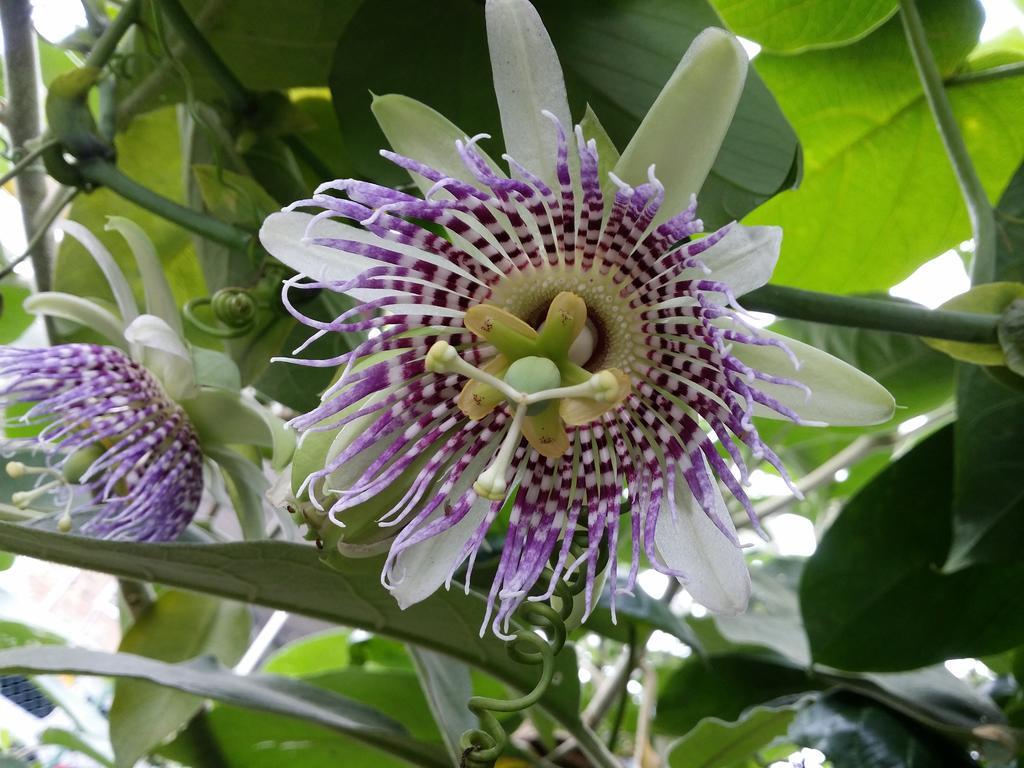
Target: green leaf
[(290, 577), (878, 196), (990, 298), (15, 633), (723, 686), (14, 320), (855, 733), (176, 627), (789, 26), (75, 742), (988, 499), (1010, 223), (204, 677), (872, 596), (160, 171), (294, 45), (447, 685), (716, 743), (6, 561), (233, 197), (312, 655), (616, 62)]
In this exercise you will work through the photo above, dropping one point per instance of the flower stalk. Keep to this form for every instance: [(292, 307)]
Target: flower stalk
[(983, 224)]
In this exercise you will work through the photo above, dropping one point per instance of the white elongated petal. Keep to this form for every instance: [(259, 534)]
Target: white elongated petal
[(226, 417), (164, 353), (423, 568), (415, 130), (159, 299), (82, 311), (716, 571), (840, 395), (249, 486), (527, 81), (283, 234), (745, 258), (119, 286), (685, 127)]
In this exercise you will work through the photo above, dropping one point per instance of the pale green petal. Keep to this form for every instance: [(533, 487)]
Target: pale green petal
[(423, 568), (745, 258), (223, 417), (415, 130), (527, 81), (159, 299), (685, 127), (607, 154), (716, 571), (840, 395), (249, 485), (119, 286), (215, 369), (164, 353), (86, 313)]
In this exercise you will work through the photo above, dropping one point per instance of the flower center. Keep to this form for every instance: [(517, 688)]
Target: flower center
[(537, 374)]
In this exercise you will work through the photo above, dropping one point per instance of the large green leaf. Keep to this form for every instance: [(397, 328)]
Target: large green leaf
[(872, 595), (267, 44), (855, 733), (617, 61), (159, 170), (14, 320), (448, 686), (290, 577), (878, 196), (203, 677), (791, 26), (988, 502), (716, 743), (178, 626)]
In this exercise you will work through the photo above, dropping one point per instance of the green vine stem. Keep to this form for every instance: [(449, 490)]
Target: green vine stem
[(238, 96), (103, 172), (877, 314), (107, 44), (983, 223), (1016, 69), (45, 220)]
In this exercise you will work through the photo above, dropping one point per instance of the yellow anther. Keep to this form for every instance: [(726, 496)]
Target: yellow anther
[(15, 469), (566, 319), (64, 524), (508, 333)]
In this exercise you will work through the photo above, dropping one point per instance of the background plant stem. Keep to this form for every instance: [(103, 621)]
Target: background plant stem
[(22, 81), (877, 314), (983, 223)]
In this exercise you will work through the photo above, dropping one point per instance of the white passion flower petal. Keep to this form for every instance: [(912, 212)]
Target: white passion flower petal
[(423, 568), (840, 395), (527, 82), (690, 542), (86, 313), (745, 258), (163, 352), (685, 127), (159, 299), (415, 130), (119, 286)]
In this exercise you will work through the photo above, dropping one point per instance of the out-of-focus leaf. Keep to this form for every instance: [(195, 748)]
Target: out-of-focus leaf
[(291, 577), (160, 171), (447, 685), (872, 596), (990, 298), (790, 26), (855, 733), (233, 197), (716, 743), (206, 678), (878, 196), (317, 654), (178, 626), (267, 44), (14, 320), (641, 610), (15, 633), (75, 742), (6, 561), (616, 62), (1011, 336), (723, 687)]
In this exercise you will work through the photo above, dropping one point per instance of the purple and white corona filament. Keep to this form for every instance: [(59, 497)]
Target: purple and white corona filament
[(108, 425)]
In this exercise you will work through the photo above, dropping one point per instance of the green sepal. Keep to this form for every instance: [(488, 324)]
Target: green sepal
[(987, 298)]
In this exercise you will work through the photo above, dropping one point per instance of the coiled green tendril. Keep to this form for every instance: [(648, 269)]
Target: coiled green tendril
[(482, 746), (234, 309)]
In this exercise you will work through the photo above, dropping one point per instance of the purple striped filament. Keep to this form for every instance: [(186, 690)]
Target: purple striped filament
[(107, 424), (429, 403)]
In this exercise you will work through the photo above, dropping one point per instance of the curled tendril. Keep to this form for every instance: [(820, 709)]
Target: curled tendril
[(234, 309), (482, 746)]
